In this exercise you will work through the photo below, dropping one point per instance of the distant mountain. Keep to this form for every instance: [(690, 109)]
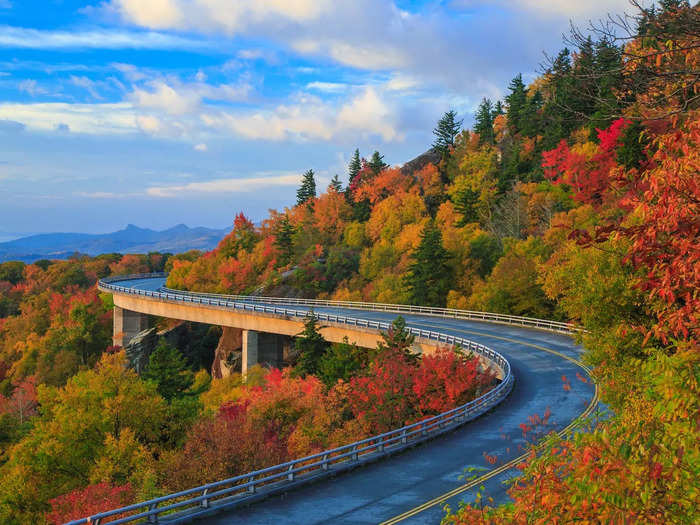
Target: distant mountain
[(131, 239)]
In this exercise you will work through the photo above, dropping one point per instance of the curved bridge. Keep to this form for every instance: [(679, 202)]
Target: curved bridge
[(411, 487)]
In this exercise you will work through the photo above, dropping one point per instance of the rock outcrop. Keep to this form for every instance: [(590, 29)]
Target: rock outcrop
[(227, 356)]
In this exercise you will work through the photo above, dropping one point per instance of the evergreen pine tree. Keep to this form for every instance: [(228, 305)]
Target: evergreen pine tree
[(311, 347), (516, 100), (530, 118), (377, 164), (284, 235), (355, 166), (397, 340), (335, 184), (429, 275), (446, 131), (307, 190), (465, 203), (498, 109), (483, 122), (168, 369)]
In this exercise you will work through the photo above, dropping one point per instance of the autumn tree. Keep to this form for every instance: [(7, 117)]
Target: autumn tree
[(69, 439)]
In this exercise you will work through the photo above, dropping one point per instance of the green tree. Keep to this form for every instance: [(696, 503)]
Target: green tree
[(376, 163), (307, 190), (355, 166), (311, 347), (498, 109), (284, 240), (516, 101), (466, 202), (429, 276), (12, 271), (397, 341), (341, 361), (485, 250), (335, 184), (483, 121), (446, 131), (168, 369)]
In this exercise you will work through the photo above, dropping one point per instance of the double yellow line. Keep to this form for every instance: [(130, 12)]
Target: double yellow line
[(513, 462)]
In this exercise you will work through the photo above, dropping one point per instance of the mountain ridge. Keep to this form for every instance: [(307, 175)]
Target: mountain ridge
[(131, 239)]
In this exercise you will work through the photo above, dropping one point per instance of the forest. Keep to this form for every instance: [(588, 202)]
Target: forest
[(574, 198)]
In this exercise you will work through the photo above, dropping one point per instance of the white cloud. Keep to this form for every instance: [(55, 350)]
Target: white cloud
[(31, 87), (177, 98), (231, 185), (570, 8), (201, 147), (23, 38), (372, 56), (219, 15), (95, 119), (258, 54), (311, 118), (158, 14), (368, 112), (400, 82), (327, 87), (89, 85), (165, 98)]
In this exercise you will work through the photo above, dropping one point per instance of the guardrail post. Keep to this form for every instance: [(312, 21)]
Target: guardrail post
[(290, 472), (152, 518), (251, 487), (354, 453), (404, 439), (205, 502), (325, 465)]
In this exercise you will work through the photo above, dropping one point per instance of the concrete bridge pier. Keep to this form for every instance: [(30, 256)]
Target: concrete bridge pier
[(126, 325), (261, 348)]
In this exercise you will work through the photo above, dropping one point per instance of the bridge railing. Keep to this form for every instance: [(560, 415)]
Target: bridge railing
[(452, 313)]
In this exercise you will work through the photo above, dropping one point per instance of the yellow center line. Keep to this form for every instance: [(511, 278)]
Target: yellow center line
[(513, 462)]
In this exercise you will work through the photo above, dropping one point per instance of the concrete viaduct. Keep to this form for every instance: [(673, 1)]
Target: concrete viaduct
[(261, 330)]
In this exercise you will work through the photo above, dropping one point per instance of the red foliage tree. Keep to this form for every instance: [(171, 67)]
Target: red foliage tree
[(590, 178), (89, 500)]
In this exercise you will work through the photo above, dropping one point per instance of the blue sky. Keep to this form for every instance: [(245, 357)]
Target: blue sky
[(158, 112)]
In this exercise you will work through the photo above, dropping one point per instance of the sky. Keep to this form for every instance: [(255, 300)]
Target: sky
[(160, 112)]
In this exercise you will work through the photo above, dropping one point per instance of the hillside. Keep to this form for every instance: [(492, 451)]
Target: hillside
[(131, 239)]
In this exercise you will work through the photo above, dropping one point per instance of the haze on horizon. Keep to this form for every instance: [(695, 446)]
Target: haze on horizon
[(172, 111)]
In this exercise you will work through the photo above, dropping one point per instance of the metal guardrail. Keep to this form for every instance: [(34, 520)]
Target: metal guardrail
[(452, 313), (185, 505)]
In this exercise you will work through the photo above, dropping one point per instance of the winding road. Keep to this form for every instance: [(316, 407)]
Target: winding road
[(414, 486)]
